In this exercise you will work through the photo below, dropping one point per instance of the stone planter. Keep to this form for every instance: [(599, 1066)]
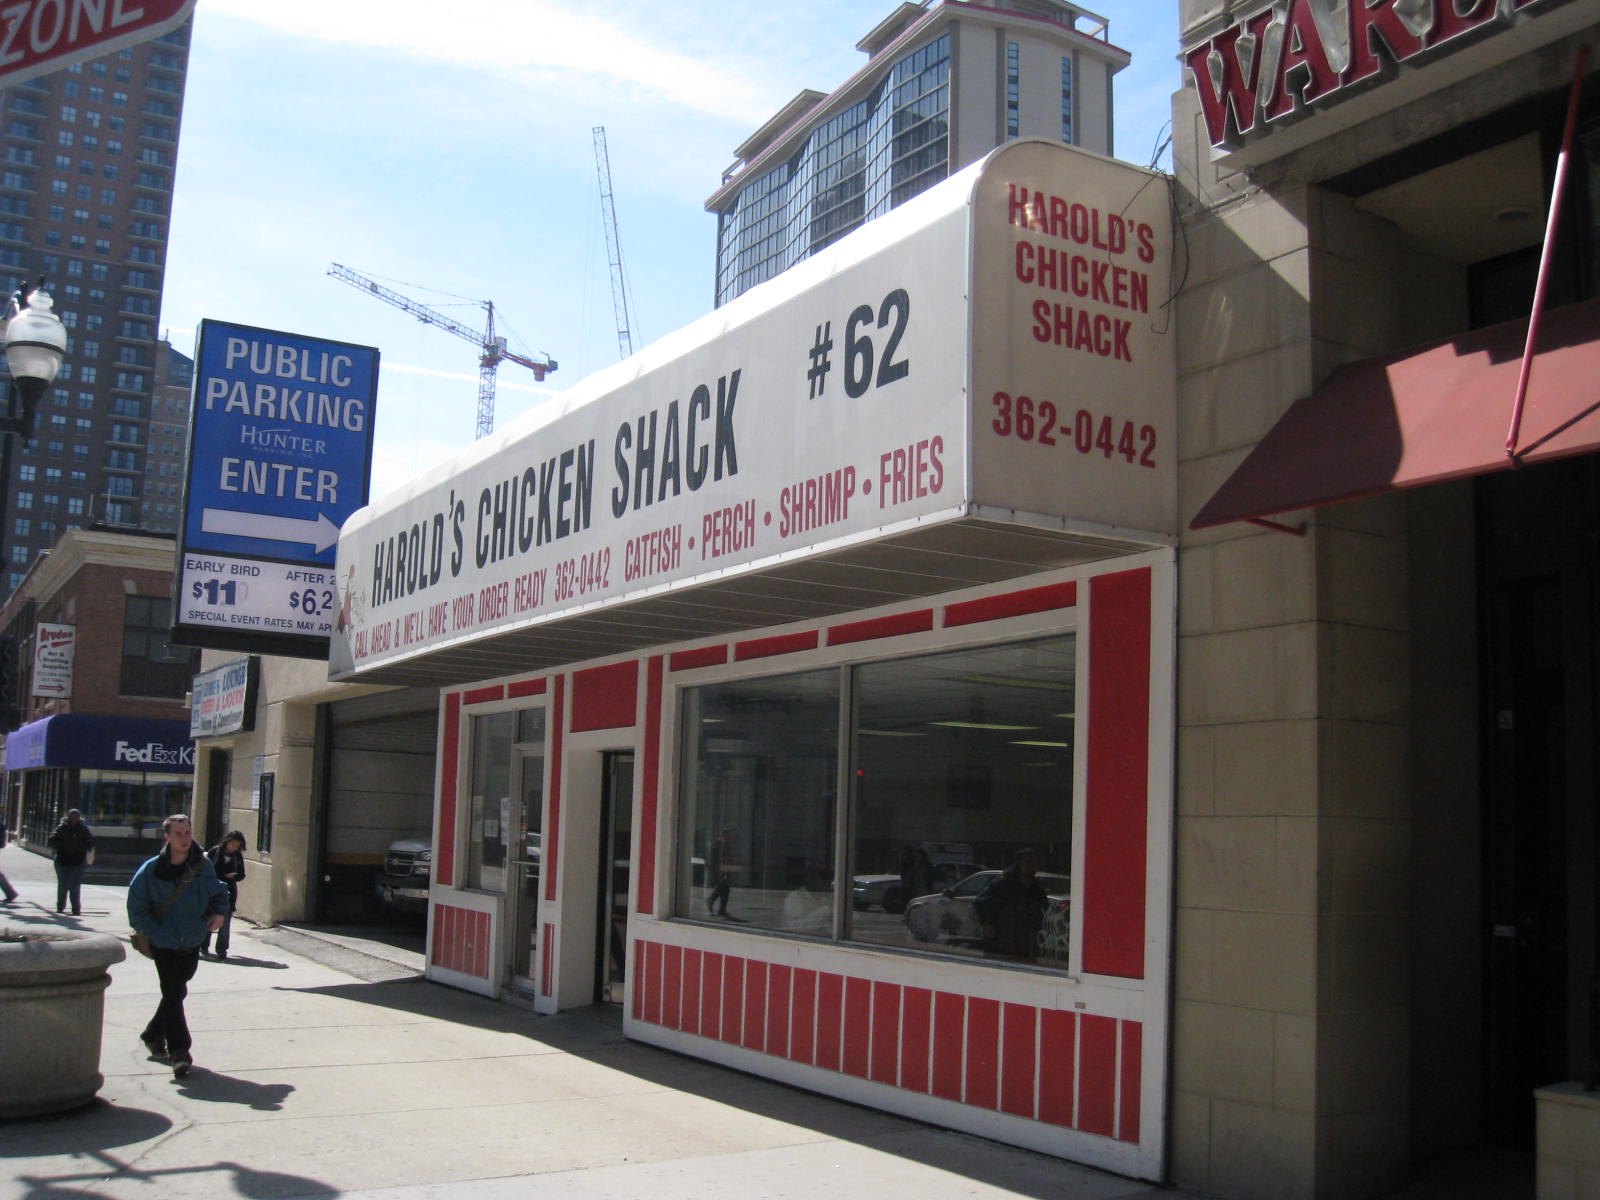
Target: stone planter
[(52, 997)]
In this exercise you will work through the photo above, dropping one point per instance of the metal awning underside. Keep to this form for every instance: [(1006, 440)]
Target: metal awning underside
[(903, 568)]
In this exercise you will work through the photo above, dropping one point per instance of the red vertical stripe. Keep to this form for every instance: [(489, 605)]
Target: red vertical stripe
[(605, 697), (653, 986), (672, 987), (645, 868), (885, 1067), (916, 1030), (949, 1044), (640, 959), (732, 998), (547, 956), (551, 857), (830, 1019), (1058, 1066), (444, 863), (983, 1052), (484, 942), (711, 995), (857, 1026), (1132, 1072), (755, 1006), (1019, 1055), (1117, 780), (803, 1017), (691, 992), (1097, 1076), (778, 1010)]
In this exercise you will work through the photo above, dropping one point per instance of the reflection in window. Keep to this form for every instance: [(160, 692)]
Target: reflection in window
[(489, 813), (760, 773), (960, 826)]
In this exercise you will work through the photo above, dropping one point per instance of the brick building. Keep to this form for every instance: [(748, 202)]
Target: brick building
[(96, 688)]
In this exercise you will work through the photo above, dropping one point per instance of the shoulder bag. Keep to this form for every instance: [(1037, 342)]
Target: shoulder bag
[(141, 941)]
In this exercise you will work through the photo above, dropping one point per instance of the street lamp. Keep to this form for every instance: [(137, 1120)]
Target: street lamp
[(36, 344)]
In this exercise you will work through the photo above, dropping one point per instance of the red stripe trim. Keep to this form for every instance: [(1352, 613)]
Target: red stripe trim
[(885, 1065), (605, 697), (1012, 604), (949, 1044), (711, 995), (881, 627), (1116, 783), (484, 695), (1132, 1063), (830, 1014), (783, 643), (916, 1030), (1097, 1078), (672, 988), (778, 1010), (527, 687), (689, 1022), (444, 867), (732, 998), (551, 858), (645, 889), (640, 954), (1058, 1050), (803, 1017), (701, 656), (1019, 1056), (983, 1052), (755, 1006)]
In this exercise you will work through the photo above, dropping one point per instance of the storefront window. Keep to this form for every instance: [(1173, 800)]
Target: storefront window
[(958, 837), (761, 772), (489, 816)]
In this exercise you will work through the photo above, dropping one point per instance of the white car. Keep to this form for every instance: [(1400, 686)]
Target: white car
[(949, 917), (887, 892)]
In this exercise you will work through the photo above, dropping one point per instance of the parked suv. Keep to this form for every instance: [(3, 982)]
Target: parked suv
[(407, 871)]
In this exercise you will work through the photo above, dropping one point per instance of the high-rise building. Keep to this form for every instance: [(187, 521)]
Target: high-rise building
[(944, 84), (85, 200), (169, 439)]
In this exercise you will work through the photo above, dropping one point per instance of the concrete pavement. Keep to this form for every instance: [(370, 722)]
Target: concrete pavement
[(325, 1066)]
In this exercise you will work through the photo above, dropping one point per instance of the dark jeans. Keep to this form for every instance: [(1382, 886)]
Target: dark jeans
[(720, 892), (69, 886), (227, 922), (174, 968)]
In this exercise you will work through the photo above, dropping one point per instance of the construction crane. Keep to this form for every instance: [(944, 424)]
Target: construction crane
[(492, 350), (608, 210)]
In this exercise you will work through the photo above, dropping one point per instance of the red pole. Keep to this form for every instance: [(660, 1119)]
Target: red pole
[(1557, 192)]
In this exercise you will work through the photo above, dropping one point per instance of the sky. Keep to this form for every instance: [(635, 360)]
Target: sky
[(447, 150)]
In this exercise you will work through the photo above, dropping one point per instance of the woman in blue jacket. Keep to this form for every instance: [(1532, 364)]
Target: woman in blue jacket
[(176, 900)]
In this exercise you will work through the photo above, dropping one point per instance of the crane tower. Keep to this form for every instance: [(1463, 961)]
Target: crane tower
[(608, 211), (492, 349)]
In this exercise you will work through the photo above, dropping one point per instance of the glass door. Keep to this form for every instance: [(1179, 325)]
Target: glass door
[(523, 897), (616, 849)]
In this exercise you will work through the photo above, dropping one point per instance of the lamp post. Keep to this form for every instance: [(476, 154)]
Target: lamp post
[(35, 345)]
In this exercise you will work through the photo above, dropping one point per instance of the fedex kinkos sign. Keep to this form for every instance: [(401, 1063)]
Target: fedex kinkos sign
[(1293, 56), (154, 754)]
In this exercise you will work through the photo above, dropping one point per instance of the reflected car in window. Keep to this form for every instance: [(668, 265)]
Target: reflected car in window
[(888, 893), (950, 918)]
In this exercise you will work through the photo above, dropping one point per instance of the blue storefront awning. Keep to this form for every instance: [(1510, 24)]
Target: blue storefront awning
[(104, 743)]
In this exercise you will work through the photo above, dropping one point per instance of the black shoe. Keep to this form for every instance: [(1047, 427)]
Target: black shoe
[(223, 954), (181, 1065), (156, 1046)]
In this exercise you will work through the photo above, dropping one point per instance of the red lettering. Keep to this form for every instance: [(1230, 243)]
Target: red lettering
[(1368, 27), (1232, 93), (1302, 54), (1448, 23)]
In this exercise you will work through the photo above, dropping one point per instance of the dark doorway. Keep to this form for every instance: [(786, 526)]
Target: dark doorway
[(218, 780), (1539, 536), (616, 876)]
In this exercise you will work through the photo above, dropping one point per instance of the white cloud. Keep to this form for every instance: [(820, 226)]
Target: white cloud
[(533, 42)]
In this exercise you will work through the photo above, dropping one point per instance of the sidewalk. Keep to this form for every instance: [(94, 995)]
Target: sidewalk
[(325, 1066)]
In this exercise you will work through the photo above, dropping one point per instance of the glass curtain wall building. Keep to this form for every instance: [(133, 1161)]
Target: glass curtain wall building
[(945, 84)]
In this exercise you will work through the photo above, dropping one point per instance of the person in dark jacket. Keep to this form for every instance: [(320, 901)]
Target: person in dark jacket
[(72, 842), (5, 884), (175, 899), (1011, 909), (227, 859)]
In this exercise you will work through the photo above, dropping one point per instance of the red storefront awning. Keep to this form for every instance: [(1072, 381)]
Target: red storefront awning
[(1424, 416)]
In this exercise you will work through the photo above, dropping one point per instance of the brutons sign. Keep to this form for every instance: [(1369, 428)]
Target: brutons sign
[(1295, 56)]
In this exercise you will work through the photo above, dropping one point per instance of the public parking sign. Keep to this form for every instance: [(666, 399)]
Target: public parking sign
[(280, 453), (40, 36)]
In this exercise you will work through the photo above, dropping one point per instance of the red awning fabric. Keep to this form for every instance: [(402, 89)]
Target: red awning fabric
[(1424, 416)]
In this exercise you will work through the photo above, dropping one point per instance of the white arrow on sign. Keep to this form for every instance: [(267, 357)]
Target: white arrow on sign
[(320, 533)]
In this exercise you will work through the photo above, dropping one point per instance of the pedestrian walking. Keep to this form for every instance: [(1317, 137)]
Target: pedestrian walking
[(227, 859), (5, 884), (73, 843), (175, 900)]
